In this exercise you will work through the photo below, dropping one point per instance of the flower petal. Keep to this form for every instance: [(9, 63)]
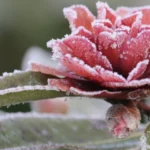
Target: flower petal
[(135, 28), (109, 76), (130, 19), (81, 31), (105, 12), (138, 71), (130, 13), (146, 13), (59, 71), (147, 72), (74, 87), (81, 48), (79, 15), (100, 26), (131, 84), (122, 11), (80, 88), (63, 84), (134, 51), (110, 44), (80, 68)]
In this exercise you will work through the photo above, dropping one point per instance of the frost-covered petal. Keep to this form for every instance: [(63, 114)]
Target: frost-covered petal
[(127, 13), (81, 48), (78, 88), (99, 94), (147, 72), (138, 71), (79, 15), (97, 73), (110, 44), (59, 70), (62, 84), (131, 84), (81, 31), (130, 19), (80, 68), (105, 12), (122, 11), (100, 26), (135, 28), (134, 51), (82, 89), (145, 13), (109, 76)]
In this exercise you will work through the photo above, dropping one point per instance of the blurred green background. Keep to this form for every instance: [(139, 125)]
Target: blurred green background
[(32, 23)]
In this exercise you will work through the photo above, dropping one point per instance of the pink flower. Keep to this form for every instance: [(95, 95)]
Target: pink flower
[(105, 56)]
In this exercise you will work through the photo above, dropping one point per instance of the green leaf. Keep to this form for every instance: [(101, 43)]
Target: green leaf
[(22, 78), (145, 139), (27, 93), (23, 86), (60, 132)]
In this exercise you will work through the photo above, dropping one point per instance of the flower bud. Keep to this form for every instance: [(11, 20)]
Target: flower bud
[(122, 119)]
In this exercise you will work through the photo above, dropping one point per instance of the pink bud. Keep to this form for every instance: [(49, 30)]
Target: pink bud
[(122, 119)]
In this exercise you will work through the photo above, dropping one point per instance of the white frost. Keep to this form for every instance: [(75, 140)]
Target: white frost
[(135, 71)]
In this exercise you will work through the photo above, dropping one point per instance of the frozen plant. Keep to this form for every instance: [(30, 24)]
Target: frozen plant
[(104, 57)]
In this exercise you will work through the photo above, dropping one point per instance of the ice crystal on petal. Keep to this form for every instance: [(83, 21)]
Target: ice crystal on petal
[(105, 12), (79, 15), (109, 76), (138, 71)]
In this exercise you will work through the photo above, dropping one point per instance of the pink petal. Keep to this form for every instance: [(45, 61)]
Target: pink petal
[(147, 72), (144, 27), (109, 76), (62, 84), (74, 87), (146, 13), (97, 73), (138, 71), (122, 11), (81, 48), (110, 44), (134, 51), (58, 71), (130, 19), (135, 28), (105, 12), (99, 94), (131, 84), (81, 31), (79, 15), (100, 26), (80, 68)]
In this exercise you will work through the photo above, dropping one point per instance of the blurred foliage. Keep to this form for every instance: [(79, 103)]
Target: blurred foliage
[(27, 23)]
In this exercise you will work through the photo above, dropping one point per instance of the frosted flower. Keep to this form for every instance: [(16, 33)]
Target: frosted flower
[(105, 56)]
